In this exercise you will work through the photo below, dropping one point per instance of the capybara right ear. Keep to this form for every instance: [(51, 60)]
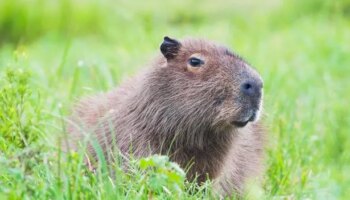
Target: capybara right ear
[(170, 47)]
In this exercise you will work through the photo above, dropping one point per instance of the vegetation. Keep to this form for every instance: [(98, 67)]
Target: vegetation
[(53, 52)]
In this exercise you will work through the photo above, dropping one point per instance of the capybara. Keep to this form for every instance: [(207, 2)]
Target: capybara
[(197, 102)]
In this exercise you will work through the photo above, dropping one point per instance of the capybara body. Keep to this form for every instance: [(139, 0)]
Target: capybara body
[(198, 103)]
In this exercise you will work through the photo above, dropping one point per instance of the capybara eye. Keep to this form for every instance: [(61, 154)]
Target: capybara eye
[(195, 62)]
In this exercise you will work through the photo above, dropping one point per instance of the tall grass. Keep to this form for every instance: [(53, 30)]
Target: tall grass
[(25, 20)]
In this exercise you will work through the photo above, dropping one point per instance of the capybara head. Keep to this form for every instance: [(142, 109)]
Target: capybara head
[(207, 84)]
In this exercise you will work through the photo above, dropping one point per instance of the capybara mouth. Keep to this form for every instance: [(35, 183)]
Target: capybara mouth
[(244, 121), (240, 124)]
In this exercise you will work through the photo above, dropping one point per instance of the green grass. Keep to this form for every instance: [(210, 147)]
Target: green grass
[(76, 48)]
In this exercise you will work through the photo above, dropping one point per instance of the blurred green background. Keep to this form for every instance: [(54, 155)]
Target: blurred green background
[(301, 49)]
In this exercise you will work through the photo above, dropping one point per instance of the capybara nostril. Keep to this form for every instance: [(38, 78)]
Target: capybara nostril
[(249, 88)]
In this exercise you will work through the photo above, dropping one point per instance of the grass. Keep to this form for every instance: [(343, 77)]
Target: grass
[(53, 53)]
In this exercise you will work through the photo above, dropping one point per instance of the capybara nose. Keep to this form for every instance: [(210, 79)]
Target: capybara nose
[(251, 88)]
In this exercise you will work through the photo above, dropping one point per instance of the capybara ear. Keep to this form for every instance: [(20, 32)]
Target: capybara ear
[(170, 47)]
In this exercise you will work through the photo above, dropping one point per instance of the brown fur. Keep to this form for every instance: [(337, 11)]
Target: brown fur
[(169, 109)]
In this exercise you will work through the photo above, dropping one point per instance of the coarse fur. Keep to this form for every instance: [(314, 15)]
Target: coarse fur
[(185, 112)]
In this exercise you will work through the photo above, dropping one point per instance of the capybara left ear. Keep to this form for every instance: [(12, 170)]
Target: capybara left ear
[(170, 47)]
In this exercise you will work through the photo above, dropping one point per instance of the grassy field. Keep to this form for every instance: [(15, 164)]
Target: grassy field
[(52, 53)]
